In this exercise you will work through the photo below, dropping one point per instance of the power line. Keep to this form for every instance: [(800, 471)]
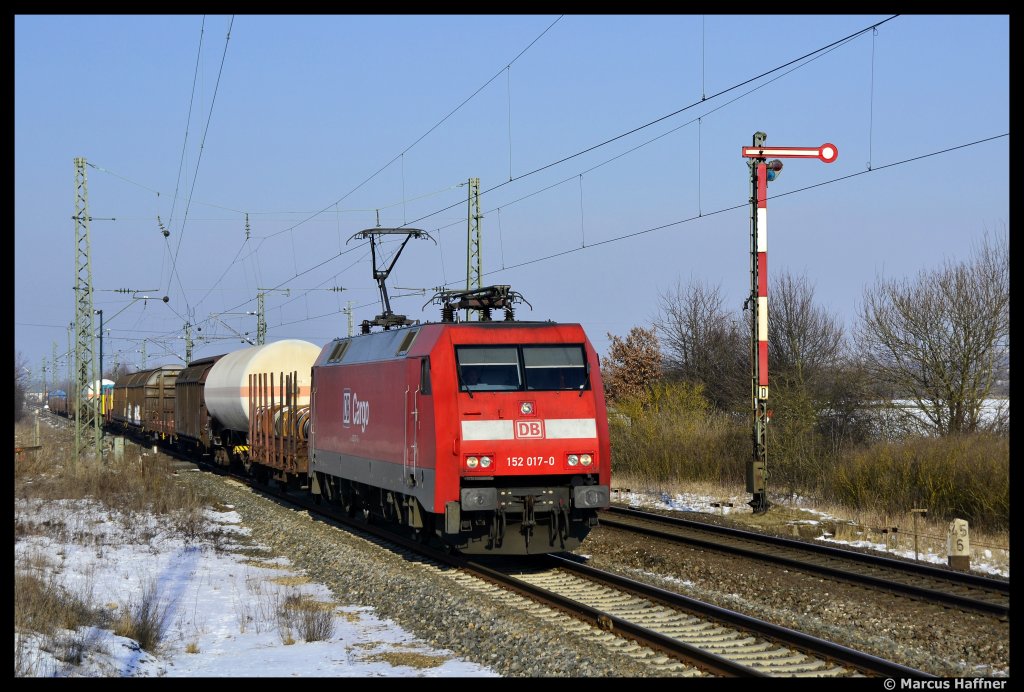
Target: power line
[(820, 52), (823, 49), (421, 137), (746, 203), (743, 205), (809, 58), (653, 139), (202, 144), (188, 121)]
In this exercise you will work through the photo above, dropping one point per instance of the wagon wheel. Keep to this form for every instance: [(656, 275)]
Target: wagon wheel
[(246, 463)]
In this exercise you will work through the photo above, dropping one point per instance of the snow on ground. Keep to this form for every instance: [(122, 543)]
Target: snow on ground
[(222, 608), (689, 502)]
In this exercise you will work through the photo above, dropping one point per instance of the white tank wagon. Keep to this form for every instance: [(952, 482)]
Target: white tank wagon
[(227, 385)]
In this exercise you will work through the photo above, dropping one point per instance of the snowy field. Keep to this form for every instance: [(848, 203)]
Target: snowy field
[(223, 610)]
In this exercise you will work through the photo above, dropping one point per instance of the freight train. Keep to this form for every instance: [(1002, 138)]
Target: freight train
[(490, 437)]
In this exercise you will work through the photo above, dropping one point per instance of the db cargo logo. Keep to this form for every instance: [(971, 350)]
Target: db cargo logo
[(353, 411), (529, 429)]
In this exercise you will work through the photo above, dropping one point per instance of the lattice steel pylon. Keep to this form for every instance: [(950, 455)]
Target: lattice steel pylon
[(474, 261), (261, 312), (88, 415)]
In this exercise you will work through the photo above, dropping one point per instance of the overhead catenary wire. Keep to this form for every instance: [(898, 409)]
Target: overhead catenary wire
[(188, 121), (825, 48), (657, 137), (421, 137), (746, 204), (809, 57), (202, 145), (742, 205), (871, 106)]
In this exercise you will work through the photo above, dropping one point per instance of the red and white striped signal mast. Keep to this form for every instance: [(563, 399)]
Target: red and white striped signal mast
[(762, 172)]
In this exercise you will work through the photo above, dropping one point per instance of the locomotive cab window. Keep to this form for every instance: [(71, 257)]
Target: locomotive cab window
[(555, 368), (488, 368), (517, 368)]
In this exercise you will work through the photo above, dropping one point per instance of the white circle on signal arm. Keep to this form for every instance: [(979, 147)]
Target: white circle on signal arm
[(828, 153)]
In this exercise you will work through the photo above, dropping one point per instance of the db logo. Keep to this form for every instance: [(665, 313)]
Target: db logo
[(529, 429)]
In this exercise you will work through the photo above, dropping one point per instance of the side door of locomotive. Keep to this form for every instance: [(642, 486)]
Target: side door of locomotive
[(417, 401)]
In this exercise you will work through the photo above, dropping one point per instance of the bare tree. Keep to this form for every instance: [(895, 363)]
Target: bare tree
[(704, 343), (21, 374), (804, 340), (805, 343), (631, 365), (937, 341)]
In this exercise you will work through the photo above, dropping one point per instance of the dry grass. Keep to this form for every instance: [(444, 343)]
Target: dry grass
[(139, 482), (671, 439), (58, 618), (42, 604), (144, 618), (952, 477), (403, 658), (310, 619)]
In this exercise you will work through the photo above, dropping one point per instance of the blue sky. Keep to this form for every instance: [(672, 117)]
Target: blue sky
[(318, 122)]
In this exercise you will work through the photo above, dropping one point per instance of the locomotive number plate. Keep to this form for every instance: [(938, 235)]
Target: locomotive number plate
[(530, 461)]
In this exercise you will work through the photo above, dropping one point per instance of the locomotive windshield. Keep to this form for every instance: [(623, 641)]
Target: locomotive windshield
[(518, 368)]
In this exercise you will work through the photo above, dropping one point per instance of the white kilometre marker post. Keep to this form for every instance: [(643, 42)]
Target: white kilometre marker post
[(761, 172)]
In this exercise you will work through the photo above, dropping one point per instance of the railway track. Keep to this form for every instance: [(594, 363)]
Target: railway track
[(674, 634), (921, 582)]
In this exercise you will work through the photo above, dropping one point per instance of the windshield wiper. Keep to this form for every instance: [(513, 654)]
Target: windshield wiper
[(458, 373), (586, 383)]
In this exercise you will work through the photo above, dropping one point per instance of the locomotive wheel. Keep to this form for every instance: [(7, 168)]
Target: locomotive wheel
[(347, 499), (425, 534)]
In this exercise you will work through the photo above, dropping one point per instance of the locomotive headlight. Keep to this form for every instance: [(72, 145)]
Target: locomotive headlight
[(573, 460), (485, 462), (472, 462), (586, 459)]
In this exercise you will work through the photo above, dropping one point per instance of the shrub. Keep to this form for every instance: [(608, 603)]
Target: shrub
[(965, 476), (668, 432)]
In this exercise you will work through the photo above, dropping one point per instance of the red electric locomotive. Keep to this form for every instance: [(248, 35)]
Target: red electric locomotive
[(492, 436)]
